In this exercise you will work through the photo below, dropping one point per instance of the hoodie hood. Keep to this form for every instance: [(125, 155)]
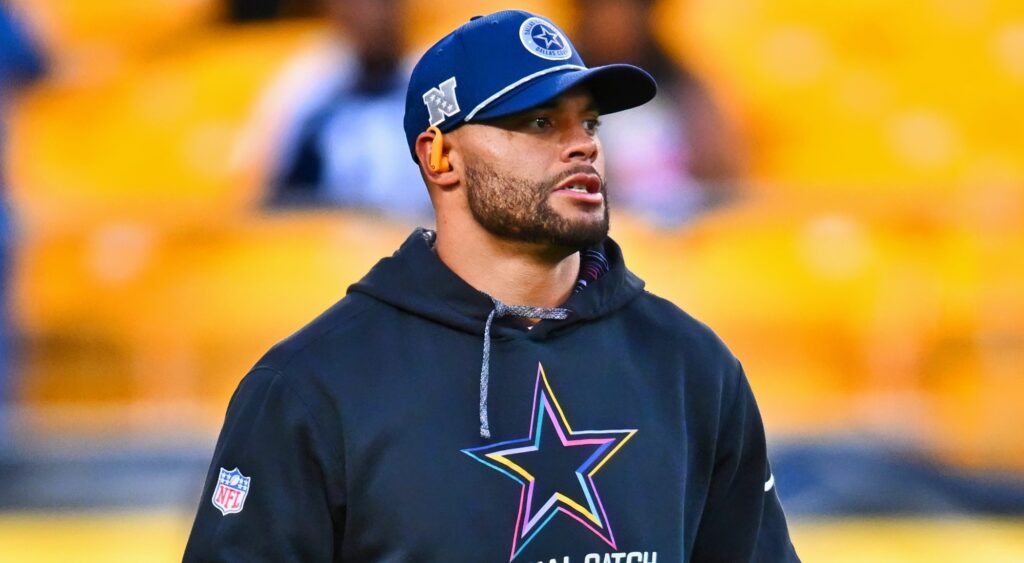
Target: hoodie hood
[(415, 280)]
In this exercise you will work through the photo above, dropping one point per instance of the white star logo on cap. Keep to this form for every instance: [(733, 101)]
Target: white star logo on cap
[(544, 40), (548, 37)]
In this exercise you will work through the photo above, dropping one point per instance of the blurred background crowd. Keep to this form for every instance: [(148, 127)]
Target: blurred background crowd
[(837, 188)]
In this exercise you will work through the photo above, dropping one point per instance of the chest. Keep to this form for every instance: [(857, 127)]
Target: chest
[(590, 459)]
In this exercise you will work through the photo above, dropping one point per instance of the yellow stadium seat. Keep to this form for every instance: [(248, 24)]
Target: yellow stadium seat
[(90, 40), (133, 315), (427, 21), (850, 97), (170, 142)]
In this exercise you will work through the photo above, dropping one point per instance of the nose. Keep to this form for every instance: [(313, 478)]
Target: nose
[(580, 144)]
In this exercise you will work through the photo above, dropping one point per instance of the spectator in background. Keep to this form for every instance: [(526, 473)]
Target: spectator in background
[(20, 64), (675, 156), (244, 11), (345, 145)]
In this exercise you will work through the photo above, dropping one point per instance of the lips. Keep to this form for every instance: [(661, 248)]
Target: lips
[(581, 182)]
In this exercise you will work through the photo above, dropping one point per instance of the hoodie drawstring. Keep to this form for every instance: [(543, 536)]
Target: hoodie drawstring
[(503, 310)]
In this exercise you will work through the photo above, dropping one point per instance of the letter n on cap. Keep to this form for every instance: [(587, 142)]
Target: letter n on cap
[(441, 101)]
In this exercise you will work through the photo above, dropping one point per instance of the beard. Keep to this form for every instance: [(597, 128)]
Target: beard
[(516, 209)]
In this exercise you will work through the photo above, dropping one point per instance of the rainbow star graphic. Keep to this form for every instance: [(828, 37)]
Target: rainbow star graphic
[(547, 465)]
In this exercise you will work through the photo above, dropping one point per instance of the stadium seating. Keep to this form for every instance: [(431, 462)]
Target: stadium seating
[(169, 142), (126, 314), (918, 96), (95, 40), (870, 282), (888, 318)]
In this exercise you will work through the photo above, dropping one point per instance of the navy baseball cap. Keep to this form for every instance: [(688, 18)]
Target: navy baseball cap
[(505, 63)]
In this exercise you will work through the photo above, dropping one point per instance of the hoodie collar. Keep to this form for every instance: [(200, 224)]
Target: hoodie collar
[(415, 280)]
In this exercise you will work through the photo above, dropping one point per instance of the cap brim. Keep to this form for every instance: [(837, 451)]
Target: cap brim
[(614, 88)]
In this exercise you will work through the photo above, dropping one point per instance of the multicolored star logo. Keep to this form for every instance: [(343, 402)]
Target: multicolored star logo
[(555, 465)]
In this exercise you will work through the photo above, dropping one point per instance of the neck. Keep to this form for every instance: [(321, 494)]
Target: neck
[(513, 272)]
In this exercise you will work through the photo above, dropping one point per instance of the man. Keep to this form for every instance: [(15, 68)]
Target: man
[(676, 156), (424, 418), (342, 146)]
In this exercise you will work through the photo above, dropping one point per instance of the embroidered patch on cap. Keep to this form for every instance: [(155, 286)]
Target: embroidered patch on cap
[(544, 40), (441, 101), (230, 492)]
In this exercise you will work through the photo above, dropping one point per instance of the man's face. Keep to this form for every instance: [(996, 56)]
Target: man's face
[(538, 176)]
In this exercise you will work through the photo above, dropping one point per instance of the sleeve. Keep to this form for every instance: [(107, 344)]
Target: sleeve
[(275, 488), (742, 519)]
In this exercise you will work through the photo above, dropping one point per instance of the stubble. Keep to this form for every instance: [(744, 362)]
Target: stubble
[(516, 209)]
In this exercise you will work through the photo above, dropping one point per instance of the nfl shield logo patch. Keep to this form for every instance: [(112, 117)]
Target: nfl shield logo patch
[(231, 490)]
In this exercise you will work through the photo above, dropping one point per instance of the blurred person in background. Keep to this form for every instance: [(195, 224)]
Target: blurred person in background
[(244, 11), (20, 63), (676, 156), (343, 144)]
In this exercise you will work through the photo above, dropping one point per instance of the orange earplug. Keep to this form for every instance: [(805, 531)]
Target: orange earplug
[(438, 161)]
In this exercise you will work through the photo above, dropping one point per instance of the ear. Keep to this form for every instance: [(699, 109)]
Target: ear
[(433, 147)]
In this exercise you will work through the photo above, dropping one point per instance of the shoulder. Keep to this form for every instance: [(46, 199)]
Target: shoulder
[(675, 324), (699, 358), (321, 336), (711, 374), (300, 374)]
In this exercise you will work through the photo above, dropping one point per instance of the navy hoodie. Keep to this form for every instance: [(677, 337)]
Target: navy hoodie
[(624, 433)]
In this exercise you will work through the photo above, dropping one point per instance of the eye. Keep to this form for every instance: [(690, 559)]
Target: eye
[(540, 123), (592, 125)]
